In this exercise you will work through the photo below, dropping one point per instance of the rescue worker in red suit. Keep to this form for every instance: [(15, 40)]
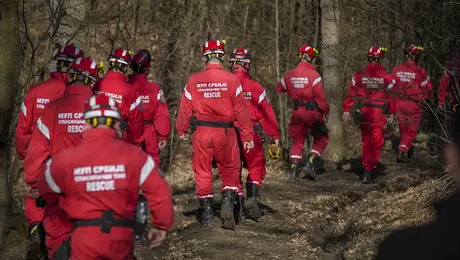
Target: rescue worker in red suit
[(37, 98), (262, 115), (371, 86), (154, 107), (92, 202), (303, 84), (413, 85), (59, 127), (115, 85), (449, 82), (212, 100)]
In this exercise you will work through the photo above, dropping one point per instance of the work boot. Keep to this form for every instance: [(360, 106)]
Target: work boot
[(294, 171), (368, 177), (239, 205), (227, 209), (36, 241), (411, 153), (206, 214), (251, 204), (402, 157), (310, 168)]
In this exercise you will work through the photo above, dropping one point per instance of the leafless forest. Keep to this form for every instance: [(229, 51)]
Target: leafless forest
[(174, 31)]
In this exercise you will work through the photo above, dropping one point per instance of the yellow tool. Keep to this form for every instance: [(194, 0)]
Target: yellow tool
[(274, 152)]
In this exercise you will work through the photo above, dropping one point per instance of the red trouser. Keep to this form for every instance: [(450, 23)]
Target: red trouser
[(301, 121), (32, 213), (254, 160), (372, 136), (221, 144), (409, 116), (57, 227), (90, 243), (151, 143)]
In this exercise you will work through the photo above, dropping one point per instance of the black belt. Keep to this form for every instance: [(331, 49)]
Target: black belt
[(148, 122), (374, 106), (214, 124), (256, 128), (309, 105), (106, 222)]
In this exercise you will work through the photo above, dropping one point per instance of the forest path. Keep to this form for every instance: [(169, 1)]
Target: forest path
[(289, 227)]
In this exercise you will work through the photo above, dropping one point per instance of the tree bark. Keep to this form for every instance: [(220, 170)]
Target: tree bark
[(9, 72), (331, 71)]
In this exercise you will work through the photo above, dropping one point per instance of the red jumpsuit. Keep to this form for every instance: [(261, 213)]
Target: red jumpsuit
[(215, 96), (105, 174), (447, 81), (36, 100), (261, 112), (155, 111), (59, 128), (412, 86), (371, 86), (303, 84), (114, 85)]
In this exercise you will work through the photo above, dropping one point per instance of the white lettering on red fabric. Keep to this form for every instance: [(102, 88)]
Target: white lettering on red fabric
[(118, 98), (145, 99), (373, 82), (299, 82), (405, 76), (100, 177), (247, 95), (212, 89), (74, 121), (41, 102)]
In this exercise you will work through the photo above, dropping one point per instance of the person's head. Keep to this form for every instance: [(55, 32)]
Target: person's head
[(307, 53), (214, 52), (119, 60), (376, 54), (140, 64), (101, 112), (413, 52), (66, 55), (240, 60), (83, 71)]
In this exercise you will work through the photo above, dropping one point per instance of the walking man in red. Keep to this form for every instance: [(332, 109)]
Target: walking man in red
[(262, 115), (37, 98), (212, 100), (114, 85), (370, 88), (303, 84), (413, 85), (99, 183), (155, 109), (59, 127)]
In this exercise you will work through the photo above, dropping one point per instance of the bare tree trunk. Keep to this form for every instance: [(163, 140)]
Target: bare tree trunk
[(9, 72), (331, 71)]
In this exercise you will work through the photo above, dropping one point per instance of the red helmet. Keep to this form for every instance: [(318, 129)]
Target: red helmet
[(142, 57), (120, 55), (307, 50), (414, 50), (376, 52), (69, 53), (84, 68), (214, 48), (240, 55), (101, 106)]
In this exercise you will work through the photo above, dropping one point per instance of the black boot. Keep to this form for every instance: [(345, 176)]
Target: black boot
[(36, 241), (402, 157), (311, 167), (251, 204), (294, 171), (206, 214), (368, 177), (227, 209), (239, 205)]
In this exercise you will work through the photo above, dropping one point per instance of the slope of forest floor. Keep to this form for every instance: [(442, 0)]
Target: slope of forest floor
[(334, 217)]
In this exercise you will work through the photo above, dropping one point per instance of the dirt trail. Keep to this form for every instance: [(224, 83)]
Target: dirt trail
[(295, 222), (295, 213)]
